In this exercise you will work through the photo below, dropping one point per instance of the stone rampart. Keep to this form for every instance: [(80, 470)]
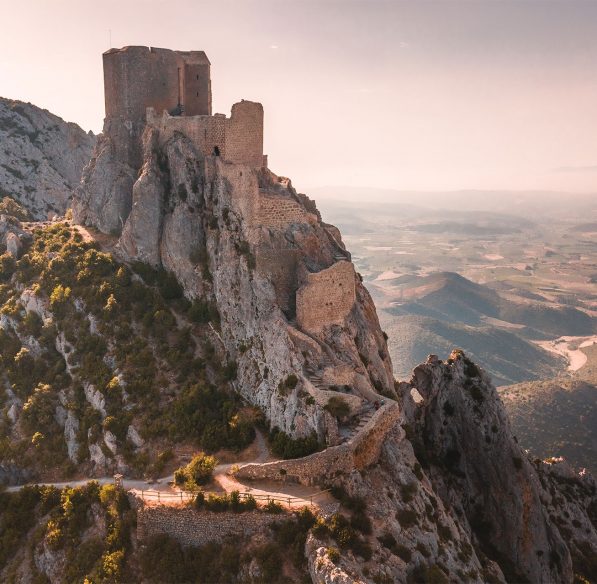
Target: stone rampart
[(359, 453), (326, 298), (191, 527), (237, 139), (278, 212)]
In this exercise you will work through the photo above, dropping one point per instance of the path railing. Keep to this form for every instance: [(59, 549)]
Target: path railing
[(185, 496)]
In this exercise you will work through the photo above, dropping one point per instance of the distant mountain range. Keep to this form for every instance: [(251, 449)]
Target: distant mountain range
[(444, 310), (527, 204), (451, 297)]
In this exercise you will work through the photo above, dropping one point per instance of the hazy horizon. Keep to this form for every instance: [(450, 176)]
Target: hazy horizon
[(407, 95)]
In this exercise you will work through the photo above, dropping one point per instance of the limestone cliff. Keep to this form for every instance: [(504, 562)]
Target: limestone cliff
[(448, 493), (42, 157), (453, 498), (294, 315)]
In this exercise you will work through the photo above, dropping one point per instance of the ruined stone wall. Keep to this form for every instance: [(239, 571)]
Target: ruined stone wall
[(238, 139), (205, 132), (191, 527), (326, 298), (316, 469), (278, 212)]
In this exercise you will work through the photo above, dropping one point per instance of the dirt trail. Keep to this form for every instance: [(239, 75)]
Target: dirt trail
[(164, 492)]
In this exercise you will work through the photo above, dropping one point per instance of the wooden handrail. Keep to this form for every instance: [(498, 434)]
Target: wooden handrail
[(288, 500)]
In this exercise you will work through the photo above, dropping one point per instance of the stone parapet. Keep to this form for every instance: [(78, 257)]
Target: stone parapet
[(360, 452)]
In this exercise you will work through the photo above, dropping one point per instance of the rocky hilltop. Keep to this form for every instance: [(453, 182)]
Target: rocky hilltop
[(42, 157), (449, 495), (193, 275), (290, 303)]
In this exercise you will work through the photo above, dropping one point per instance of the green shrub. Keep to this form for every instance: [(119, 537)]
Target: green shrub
[(407, 518), (273, 507), (337, 407), (408, 491), (333, 554), (286, 447), (8, 206), (361, 522), (7, 267), (291, 381), (198, 472), (225, 502)]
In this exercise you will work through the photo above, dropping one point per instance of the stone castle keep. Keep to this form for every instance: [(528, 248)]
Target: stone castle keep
[(171, 90)]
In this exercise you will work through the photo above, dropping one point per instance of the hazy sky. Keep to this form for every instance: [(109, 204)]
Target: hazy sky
[(400, 94)]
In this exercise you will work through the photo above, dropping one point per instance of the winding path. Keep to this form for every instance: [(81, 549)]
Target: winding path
[(163, 491)]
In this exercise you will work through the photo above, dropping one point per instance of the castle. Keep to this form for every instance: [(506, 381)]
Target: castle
[(171, 90)]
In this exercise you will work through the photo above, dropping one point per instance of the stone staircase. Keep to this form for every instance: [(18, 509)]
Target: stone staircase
[(315, 376), (362, 418)]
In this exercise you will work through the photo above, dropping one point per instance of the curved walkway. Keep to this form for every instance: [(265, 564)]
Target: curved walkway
[(163, 491)]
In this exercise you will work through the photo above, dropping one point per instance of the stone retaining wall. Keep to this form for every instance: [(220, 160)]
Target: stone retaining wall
[(191, 527), (316, 469)]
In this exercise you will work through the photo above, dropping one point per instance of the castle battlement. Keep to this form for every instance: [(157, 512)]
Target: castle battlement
[(171, 91)]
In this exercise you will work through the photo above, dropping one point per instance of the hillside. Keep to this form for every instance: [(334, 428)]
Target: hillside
[(105, 367), (558, 415), (444, 310), (453, 298), (506, 356), (42, 157)]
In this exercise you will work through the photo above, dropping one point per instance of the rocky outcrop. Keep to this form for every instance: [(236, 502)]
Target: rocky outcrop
[(103, 198), (483, 474), (208, 222), (42, 157), (450, 494), (462, 439)]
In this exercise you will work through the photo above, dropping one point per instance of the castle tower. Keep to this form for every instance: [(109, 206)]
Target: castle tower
[(136, 78)]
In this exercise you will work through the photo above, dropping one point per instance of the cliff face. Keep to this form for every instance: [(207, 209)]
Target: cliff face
[(42, 157), (245, 241), (451, 496), (462, 434)]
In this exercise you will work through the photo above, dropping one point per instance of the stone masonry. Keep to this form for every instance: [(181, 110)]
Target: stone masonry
[(360, 452), (326, 298), (191, 527), (175, 86), (237, 139)]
